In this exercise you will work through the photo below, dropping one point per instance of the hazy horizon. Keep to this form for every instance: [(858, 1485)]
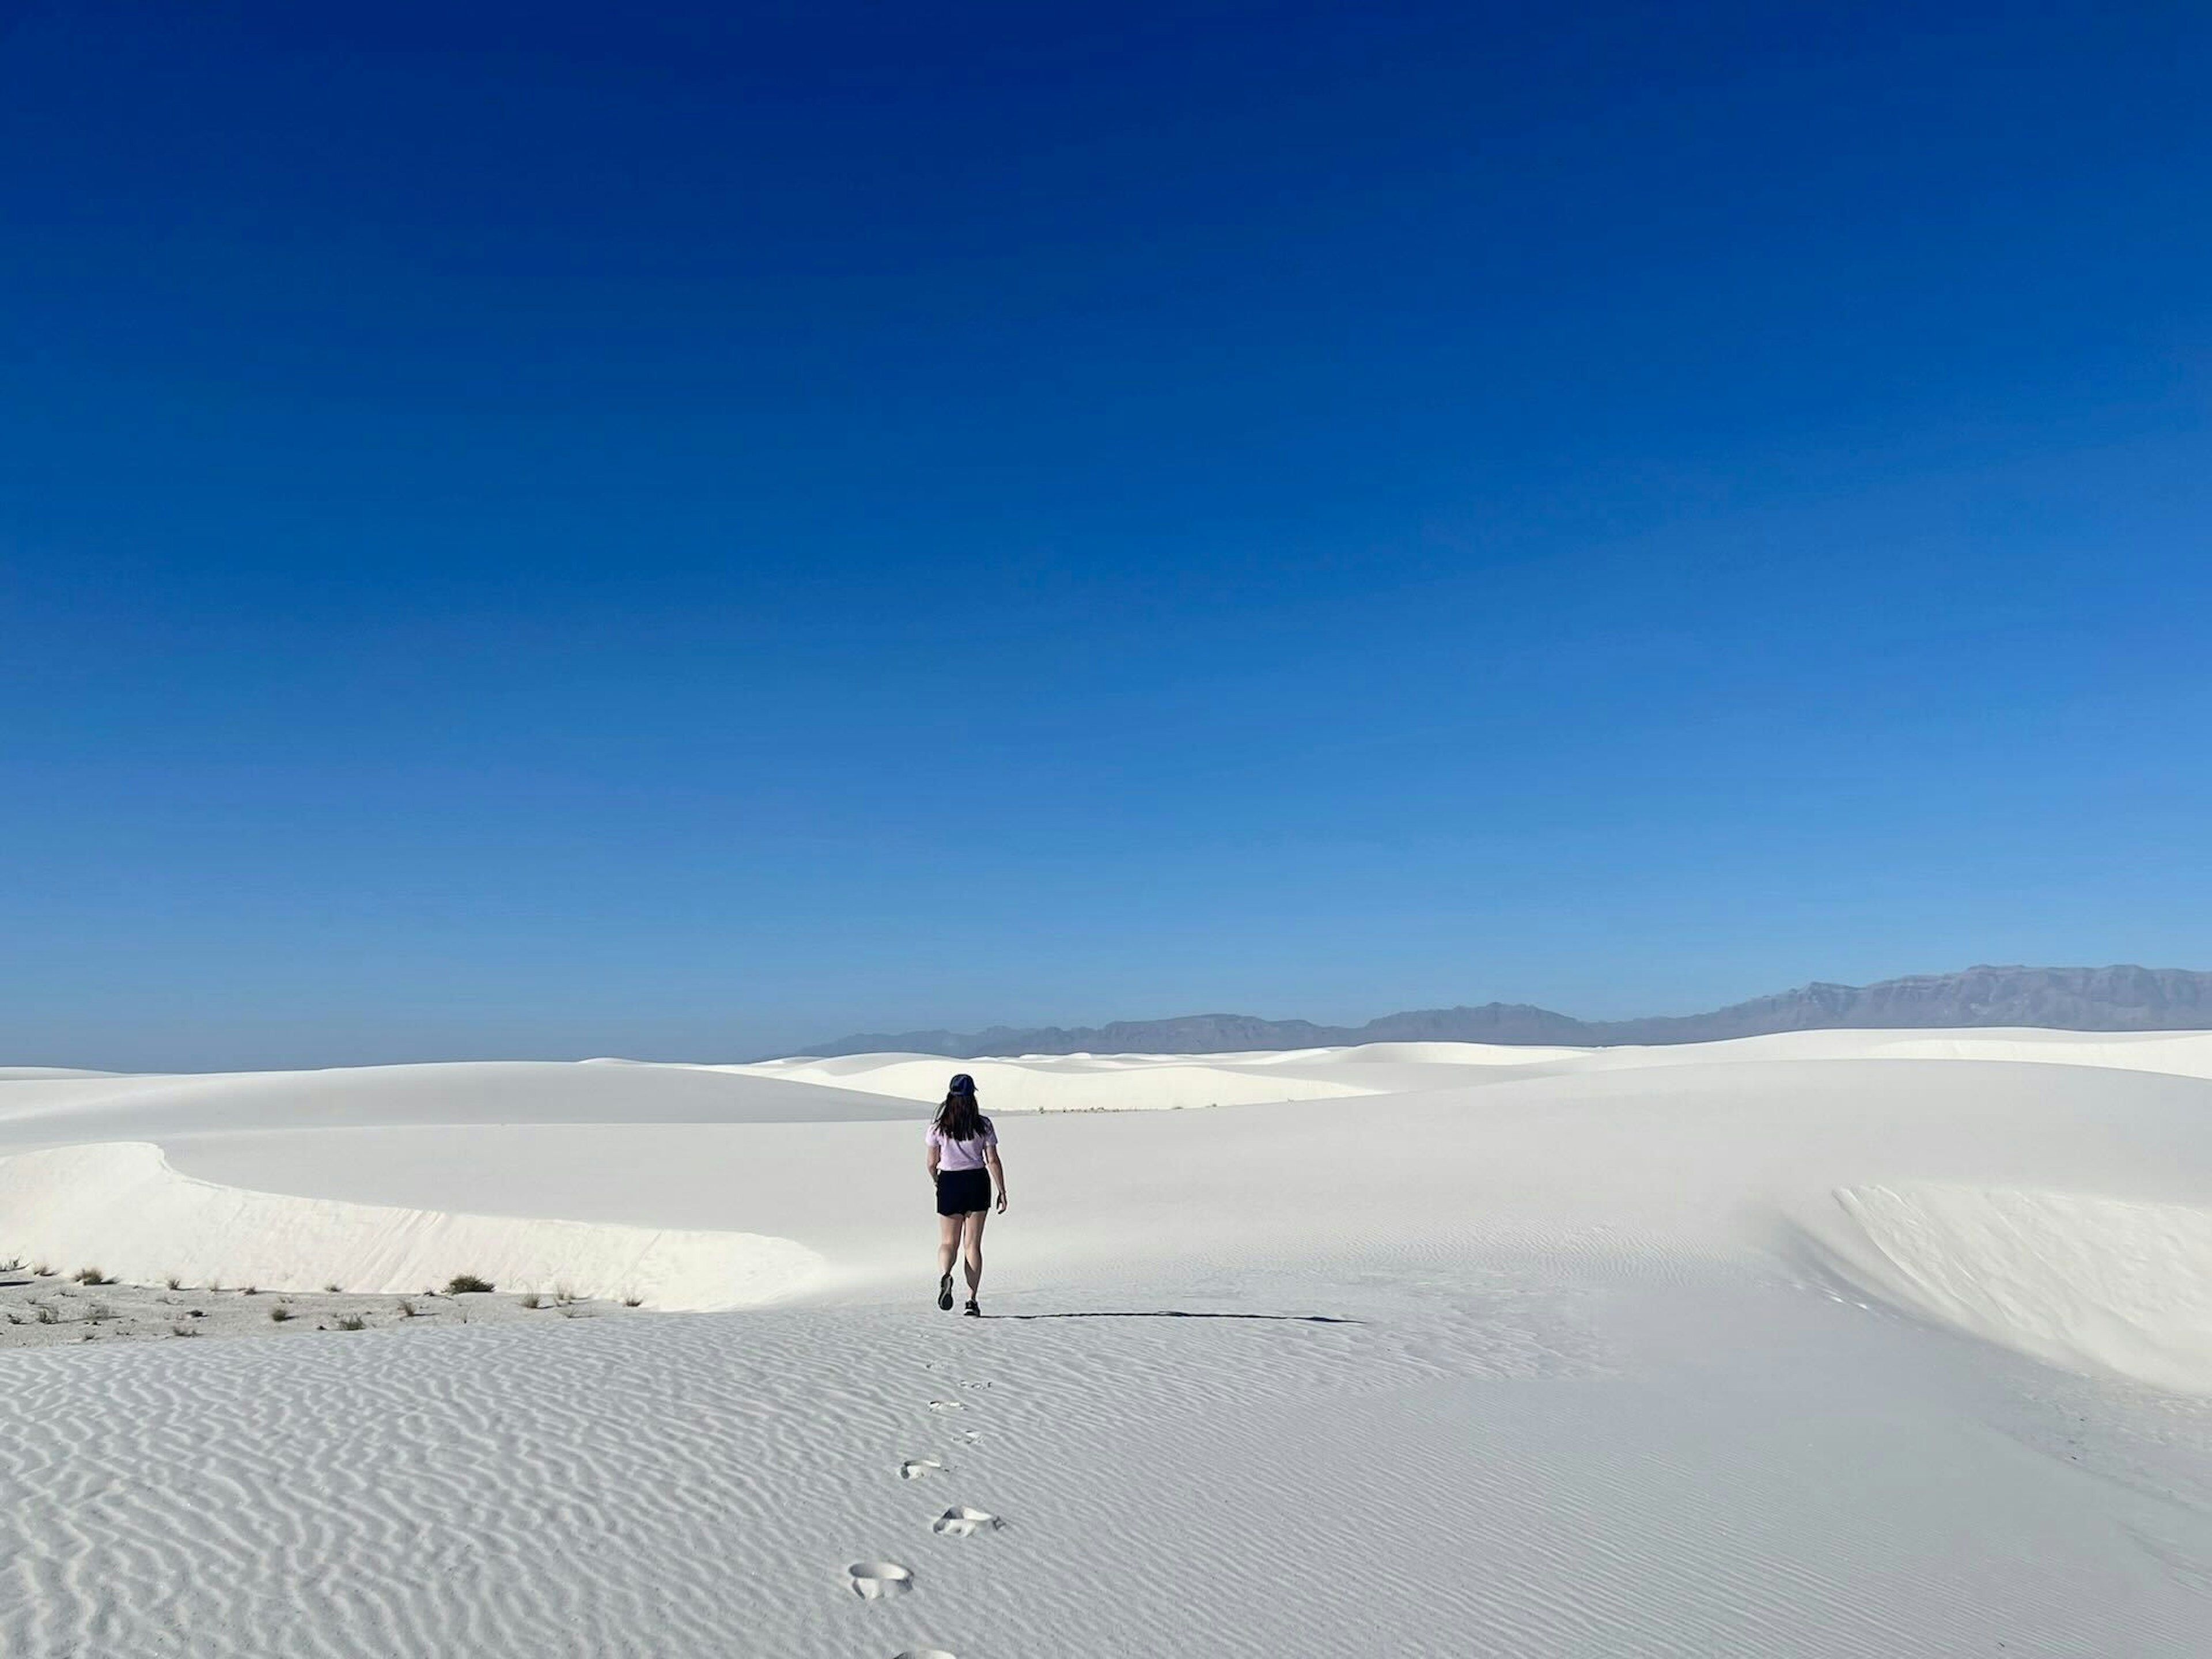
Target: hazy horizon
[(708, 1052)]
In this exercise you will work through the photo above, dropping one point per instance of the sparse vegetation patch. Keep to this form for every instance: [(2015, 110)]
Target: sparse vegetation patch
[(44, 1313)]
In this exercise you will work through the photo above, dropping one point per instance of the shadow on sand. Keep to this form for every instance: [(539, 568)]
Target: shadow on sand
[(1178, 1313)]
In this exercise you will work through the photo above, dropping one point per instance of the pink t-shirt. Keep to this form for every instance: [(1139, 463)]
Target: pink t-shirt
[(962, 1154)]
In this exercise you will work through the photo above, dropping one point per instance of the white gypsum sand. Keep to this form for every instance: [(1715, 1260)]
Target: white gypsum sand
[(1836, 1343), (122, 1206)]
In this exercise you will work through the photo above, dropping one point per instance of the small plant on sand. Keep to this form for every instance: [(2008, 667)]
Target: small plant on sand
[(534, 1300), (48, 1316), (279, 1313), (565, 1295), (633, 1302), (13, 1265), (99, 1314), (335, 1289), (466, 1285), (175, 1281), (91, 1276), (251, 1290), (407, 1311), (42, 1270), (353, 1322)]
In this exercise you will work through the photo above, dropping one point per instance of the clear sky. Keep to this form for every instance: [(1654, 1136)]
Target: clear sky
[(562, 529)]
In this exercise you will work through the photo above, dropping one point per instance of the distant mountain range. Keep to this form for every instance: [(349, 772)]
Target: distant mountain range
[(2121, 999)]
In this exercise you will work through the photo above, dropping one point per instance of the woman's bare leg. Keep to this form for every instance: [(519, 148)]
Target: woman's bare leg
[(972, 1235), (948, 1244)]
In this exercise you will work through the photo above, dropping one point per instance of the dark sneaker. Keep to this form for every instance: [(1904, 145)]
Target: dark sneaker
[(944, 1293), (972, 1309)]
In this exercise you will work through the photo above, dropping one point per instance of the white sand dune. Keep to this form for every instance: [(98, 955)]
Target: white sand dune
[(2089, 1282), (101, 1105), (1068, 1083), (122, 1208), (2184, 1054), (1828, 1344)]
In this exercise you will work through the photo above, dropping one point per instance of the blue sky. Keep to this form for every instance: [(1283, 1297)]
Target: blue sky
[(546, 531)]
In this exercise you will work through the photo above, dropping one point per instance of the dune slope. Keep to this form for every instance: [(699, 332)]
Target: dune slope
[(122, 1208)]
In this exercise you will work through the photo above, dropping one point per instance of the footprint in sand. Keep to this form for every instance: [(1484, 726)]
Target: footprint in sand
[(971, 1435), (877, 1581), (961, 1522), (946, 1405), (974, 1385), (915, 1467)]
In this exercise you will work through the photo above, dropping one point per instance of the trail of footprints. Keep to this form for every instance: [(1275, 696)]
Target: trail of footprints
[(882, 1581)]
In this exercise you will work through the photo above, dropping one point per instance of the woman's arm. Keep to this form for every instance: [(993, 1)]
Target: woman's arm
[(997, 1175)]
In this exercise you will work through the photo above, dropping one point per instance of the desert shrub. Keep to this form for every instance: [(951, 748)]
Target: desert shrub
[(534, 1300), (42, 1270), (251, 1290), (335, 1289), (466, 1285), (48, 1316), (175, 1281), (353, 1322), (91, 1276), (407, 1311), (279, 1313), (633, 1302), (565, 1295)]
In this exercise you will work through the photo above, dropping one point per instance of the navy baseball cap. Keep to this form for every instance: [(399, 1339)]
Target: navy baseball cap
[(963, 1084)]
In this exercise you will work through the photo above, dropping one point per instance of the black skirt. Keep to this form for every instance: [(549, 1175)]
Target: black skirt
[(959, 1191)]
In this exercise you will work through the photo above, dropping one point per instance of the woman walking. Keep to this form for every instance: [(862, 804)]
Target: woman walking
[(963, 1163)]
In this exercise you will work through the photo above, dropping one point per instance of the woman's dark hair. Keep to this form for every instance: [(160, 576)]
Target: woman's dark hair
[(959, 1118)]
